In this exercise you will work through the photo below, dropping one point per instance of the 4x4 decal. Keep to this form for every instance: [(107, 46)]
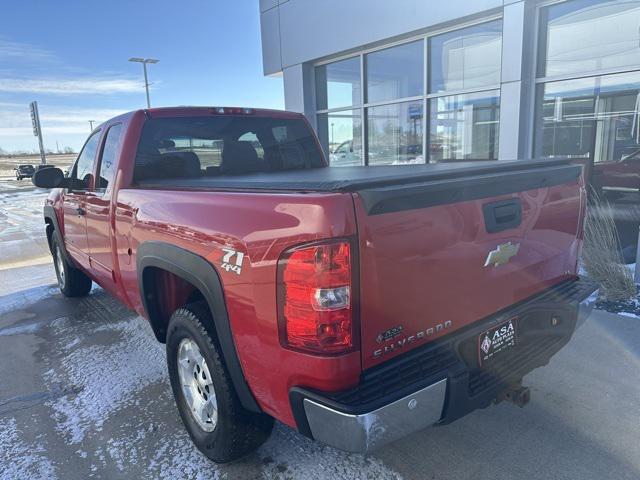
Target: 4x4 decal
[(231, 264)]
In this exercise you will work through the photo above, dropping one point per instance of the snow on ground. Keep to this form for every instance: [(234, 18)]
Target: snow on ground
[(19, 460), (121, 415), (630, 308), (107, 374)]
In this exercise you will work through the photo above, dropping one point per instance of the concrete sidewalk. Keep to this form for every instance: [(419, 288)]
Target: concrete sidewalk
[(85, 393)]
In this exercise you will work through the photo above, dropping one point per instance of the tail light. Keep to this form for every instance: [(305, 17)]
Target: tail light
[(315, 298)]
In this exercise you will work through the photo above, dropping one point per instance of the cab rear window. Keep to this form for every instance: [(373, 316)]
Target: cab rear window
[(193, 147)]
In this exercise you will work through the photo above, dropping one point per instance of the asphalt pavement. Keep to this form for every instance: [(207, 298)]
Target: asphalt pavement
[(84, 393)]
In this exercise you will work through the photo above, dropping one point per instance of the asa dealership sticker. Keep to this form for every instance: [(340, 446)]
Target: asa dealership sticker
[(496, 341), (232, 260)]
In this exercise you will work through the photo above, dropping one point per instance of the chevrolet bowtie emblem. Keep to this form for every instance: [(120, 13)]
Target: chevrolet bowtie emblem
[(502, 254)]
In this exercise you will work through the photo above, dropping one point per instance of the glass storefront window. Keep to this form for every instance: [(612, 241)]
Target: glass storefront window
[(466, 59), (395, 134), (395, 73), (338, 84), (589, 35), (596, 118), (341, 136), (464, 127), (381, 108)]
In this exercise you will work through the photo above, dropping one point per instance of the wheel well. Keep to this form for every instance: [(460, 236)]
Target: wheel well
[(165, 292)]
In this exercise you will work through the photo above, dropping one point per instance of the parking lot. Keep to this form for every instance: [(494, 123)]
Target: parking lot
[(84, 392)]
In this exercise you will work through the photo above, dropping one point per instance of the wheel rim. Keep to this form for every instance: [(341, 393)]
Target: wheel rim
[(59, 267), (197, 385)]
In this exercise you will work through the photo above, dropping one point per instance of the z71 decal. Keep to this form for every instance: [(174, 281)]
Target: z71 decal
[(232, 260)]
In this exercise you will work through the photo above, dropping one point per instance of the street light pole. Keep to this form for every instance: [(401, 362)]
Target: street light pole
[(146, 84), (144, 62), (91, 125)]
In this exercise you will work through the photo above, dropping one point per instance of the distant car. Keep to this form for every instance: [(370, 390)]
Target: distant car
[(344, 155), (24, 171), (623, 173), (43, 166)]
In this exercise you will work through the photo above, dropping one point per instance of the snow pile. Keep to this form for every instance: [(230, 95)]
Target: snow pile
[(19, 460)]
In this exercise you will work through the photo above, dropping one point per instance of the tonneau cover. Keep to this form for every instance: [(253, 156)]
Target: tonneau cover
[(346, 179)]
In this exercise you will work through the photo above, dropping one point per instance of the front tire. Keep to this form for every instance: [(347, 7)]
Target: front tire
[(71, 281), (210, 409)]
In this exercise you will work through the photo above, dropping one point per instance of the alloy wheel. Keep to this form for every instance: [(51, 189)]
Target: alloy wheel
[(197, 385)]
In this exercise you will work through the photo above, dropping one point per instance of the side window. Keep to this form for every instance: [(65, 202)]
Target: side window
[(82, 173), (109, 154)]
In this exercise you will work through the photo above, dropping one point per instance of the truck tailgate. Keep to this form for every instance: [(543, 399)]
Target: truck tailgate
[(440, 255)]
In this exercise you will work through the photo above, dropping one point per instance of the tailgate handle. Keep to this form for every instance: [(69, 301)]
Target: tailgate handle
[(503, 215)]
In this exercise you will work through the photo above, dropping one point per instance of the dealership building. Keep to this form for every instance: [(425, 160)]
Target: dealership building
[(413, 81)]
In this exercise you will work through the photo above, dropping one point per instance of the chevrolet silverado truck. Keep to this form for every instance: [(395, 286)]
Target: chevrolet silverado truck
[(355, 305)]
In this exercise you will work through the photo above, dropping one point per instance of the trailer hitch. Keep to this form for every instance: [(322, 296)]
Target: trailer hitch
[(516, 394)]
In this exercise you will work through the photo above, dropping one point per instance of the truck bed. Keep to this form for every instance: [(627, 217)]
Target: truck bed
[(352, 179), (387, 189)]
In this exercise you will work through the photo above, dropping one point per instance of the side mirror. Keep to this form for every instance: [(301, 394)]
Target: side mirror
[(50, 178)]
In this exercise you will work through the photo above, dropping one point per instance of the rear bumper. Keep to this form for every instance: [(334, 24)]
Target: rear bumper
[(363, 432), (585, 307), (442, 381)]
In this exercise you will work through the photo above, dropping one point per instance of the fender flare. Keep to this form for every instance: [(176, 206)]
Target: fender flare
[(50, 214), (202, 275)]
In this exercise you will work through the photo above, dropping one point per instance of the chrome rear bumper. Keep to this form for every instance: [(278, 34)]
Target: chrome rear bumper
[(585, 307), (444, 377), (364, 432)]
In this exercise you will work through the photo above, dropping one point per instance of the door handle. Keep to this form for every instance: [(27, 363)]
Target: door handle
[(80, 211)]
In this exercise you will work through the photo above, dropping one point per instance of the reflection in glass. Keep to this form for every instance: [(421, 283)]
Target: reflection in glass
[(395, 134), (589, 35), (596, 118), (464, 127), (338, 84), (109, 156), (83, 170), (467, 58), (341, 136), (395, 72)]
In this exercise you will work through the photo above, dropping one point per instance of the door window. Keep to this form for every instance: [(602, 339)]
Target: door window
[(109, 154), (82, 173)]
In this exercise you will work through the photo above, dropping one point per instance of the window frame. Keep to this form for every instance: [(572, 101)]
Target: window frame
[(538, 82), (363, 106)]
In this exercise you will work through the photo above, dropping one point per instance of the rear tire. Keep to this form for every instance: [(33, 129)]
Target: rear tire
[(210, 409), (71, 281)]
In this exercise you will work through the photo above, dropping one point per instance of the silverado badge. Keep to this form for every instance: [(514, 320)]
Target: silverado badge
[(502, 254)]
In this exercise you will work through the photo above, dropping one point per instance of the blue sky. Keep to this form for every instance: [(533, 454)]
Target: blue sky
[(71, 56)]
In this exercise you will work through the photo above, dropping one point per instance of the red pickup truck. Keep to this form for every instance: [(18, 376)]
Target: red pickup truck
[(355, 304)]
